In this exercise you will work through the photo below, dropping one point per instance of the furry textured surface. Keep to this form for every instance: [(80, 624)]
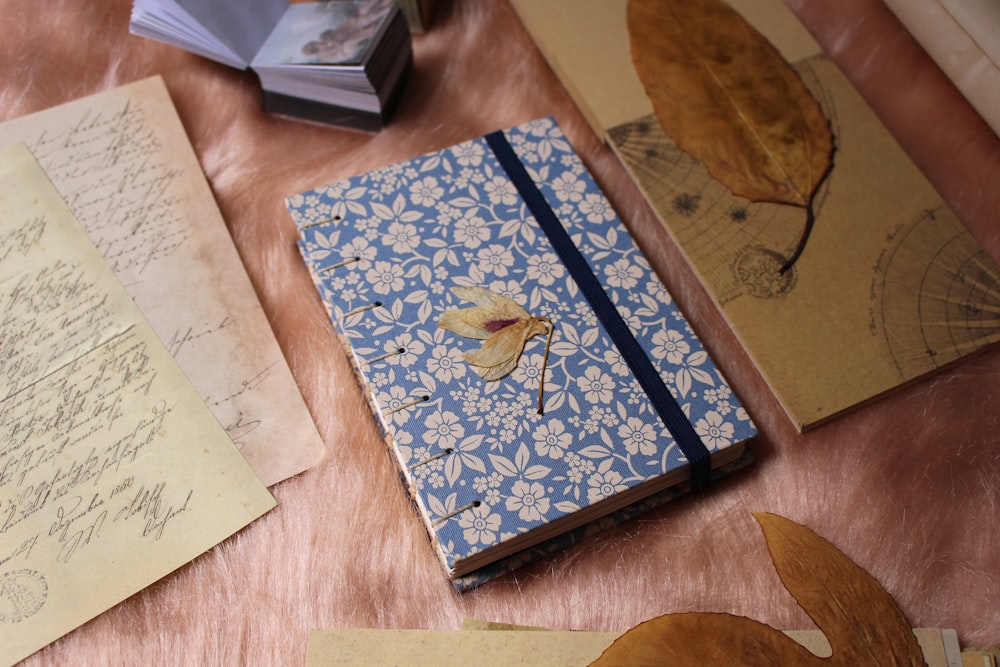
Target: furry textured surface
[(908, 486)]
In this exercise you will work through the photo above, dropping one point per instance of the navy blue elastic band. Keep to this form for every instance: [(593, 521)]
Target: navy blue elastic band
[(661, 398)]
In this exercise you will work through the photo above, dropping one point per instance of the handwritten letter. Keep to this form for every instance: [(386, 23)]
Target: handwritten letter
[(113, 472), (123, 165)]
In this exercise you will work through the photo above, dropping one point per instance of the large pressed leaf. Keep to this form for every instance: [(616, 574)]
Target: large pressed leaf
[(861, 622), (727, 97), (852, 609), (698, 639)]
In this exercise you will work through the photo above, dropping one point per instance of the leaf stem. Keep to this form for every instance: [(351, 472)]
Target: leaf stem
[(545, 361), (810, 219), (807, 230)]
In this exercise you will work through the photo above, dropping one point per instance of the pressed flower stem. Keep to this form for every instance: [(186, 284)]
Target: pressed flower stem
[(545, 361)]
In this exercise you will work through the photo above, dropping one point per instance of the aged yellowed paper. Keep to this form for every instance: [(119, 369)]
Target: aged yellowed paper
[(497, 645), (113, 472), (123, 164), (469, 648)]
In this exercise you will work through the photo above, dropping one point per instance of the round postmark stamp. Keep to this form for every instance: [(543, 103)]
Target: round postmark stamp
[(758, 270), (22, 594)]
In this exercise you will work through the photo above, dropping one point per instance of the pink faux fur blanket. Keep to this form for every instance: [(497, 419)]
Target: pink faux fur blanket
[(908, 486)]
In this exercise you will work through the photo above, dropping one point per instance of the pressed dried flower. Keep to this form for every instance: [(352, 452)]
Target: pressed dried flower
[(502, 325)]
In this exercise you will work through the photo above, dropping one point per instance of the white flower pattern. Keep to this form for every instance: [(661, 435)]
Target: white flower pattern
[(486, 465)]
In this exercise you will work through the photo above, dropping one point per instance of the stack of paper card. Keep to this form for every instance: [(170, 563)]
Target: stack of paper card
[(418, 14), (342, 62)]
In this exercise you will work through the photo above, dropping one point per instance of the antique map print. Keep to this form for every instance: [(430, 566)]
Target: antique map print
[(890, 278), (890, 285)]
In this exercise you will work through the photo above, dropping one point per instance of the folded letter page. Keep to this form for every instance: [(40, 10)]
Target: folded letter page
[(113, 472)]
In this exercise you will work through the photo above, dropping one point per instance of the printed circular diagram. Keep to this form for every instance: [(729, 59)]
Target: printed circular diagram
[(718, 231), (937, 293), (22, 594), (759, 271)]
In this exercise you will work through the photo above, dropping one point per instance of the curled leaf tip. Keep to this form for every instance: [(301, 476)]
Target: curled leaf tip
[(858, 618)]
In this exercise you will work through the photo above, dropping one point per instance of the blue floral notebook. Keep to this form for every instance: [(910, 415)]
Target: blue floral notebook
[(530, 372)]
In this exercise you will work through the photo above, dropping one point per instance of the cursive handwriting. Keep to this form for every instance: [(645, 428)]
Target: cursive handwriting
[(242, 427), (77, 523), (190, 334), (153, 509), (106, 449), (245, 386), (70, 431), (22, 238), (48, 314), (110, 173), (23, 550)]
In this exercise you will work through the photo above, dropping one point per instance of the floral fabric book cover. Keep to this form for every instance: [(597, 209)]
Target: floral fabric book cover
[(529, 370)]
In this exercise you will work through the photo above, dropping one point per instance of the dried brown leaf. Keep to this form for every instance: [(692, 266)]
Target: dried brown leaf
[(696, 639), (858, 617), (856, 614), (727, 97)]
